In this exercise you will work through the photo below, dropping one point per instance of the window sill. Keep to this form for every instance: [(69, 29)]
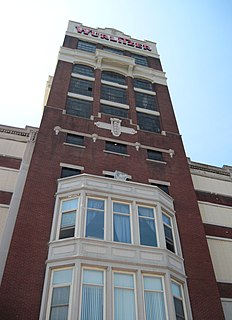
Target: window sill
[(157, 161), (116, 153), (74, 145)]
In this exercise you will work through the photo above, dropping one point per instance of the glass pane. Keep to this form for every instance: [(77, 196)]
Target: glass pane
[(176, 291), (62, 276), (148, 122), (122, 228), (60, 296), (147, 232), (113, 77), (154, 306), (179, 308), (59, 313), (75, 139), (69, 204), (166, 219), (146, 212), (143, 84), (152, 283), (84, 70), (78, 107), (95, 224), (68, 219), (93, 276), (67, 232), (96, 204), (124, 304), (92, 303), (124, 280), (121, 207)]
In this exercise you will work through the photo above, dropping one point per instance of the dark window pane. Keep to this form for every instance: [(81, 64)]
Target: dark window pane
[(86, 46), (82, 69), (145, 101), (77, 107), (147, 232), (169, 238), (68, 172), (148, 122), (113, 50), (154, 155), (142, 84), (179, 309), (74, 139), (140, 59), (114, 111), (116, 147), (162, 187), (81, 86), (95, 219), (113, 77), (113, 94)]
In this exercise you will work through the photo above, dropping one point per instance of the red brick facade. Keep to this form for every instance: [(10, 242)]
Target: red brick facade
[(23, 279)]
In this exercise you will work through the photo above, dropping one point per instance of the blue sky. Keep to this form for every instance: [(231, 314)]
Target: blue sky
[(194, 40)]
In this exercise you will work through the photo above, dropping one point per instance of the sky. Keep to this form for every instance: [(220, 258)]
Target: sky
[(194, 40)]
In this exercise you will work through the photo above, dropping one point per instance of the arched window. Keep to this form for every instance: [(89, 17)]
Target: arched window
[(113, 77), (83, 70)]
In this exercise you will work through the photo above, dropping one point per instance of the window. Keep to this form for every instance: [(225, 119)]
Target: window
[(148, 122), (116, 147), (61, 285), (95, 218), (68, 218), (75, 139), (68, 172), (154, 155), (143, 84), (113, 94), (154, 298), (147, 228), (113, 77), (83, 70), (178, 300), (78, 107), (121, 221), (168, 232), (124, 297), (92, 305), (86, 46), (113, 50), (114, 111), (80, 86), (140, 60), (145, 101)]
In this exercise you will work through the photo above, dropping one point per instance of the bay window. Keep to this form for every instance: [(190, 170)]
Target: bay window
[(154, 298), (121, 221), (124, 296), (167, 223)]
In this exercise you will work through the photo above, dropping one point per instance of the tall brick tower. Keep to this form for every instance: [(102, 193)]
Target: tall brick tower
[(108, 227)]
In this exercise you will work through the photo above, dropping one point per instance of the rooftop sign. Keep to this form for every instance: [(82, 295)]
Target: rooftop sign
[(110, 38)]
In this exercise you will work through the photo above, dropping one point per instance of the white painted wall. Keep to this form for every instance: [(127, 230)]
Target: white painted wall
[(220, 251), (3, 216), (12, 148), (8, 178), (218, 215), (212, 185)]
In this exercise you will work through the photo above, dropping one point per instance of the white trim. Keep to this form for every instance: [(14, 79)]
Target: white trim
[(9, 169), (142, 110), (159, 182), (81, 76), (79, 96), (114, 104), (149, 92), (219, 238), (71, 166), (114, 84)]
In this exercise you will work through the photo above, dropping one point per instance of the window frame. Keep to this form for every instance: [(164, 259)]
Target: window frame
[(156, 120), (164, 292), (163, 213), (104, 217), (182, 298), (114, 77), (134, 291), (52, 286), (84, 46), (104, 288), (108, 143), (81, 86), (77, 213), (82, 67), (128, 215), (77, 112), (70, 135), (150, 152), (155, 219), (110, 93)]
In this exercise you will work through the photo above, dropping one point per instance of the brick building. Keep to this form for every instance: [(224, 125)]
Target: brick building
[(109, 226)]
